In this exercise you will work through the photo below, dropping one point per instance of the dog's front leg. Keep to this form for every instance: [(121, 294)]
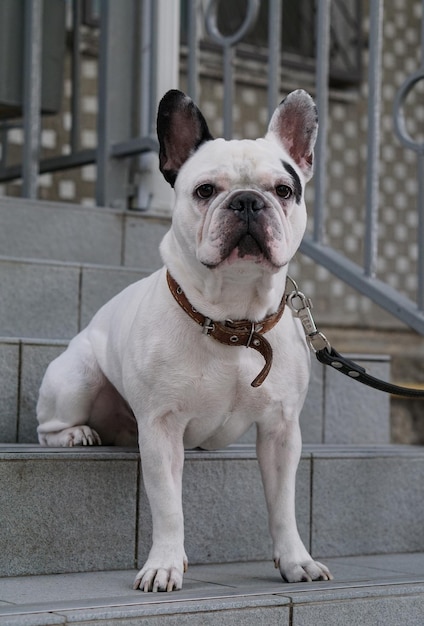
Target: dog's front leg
[(278, 451), (162, 460)]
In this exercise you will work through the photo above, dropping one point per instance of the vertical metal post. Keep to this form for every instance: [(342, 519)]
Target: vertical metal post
[(322, 73), (420, 174), (274, 49), (76, 78), (192, 41), (420, 207), (117, 33), (154, 62), (32, 95), (145, 67), (3, 147), (373, 146), (228, 61), (420, 234)]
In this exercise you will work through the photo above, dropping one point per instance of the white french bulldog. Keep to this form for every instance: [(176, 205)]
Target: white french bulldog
[(167, 357)]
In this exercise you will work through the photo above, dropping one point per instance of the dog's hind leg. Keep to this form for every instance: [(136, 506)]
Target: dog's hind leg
[(68, 390)]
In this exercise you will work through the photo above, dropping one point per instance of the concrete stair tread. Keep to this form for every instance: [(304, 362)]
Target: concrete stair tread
[(73, 264), (56, 299), (46, 263), (69, 232), (235, 450), (369, 589)]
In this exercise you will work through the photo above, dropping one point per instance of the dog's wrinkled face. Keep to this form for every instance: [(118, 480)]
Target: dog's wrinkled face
[(239, 201), (249, 207)]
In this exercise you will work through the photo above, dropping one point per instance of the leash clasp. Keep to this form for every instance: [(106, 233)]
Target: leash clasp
[(301, 307)]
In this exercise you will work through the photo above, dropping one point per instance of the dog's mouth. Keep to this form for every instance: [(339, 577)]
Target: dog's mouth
[(248, 240), (244, 248), (248, 246)]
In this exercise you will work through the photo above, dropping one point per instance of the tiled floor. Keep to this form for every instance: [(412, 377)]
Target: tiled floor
[(70, 592)]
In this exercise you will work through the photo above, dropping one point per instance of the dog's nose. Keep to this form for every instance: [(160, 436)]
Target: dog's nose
[(247, 205)]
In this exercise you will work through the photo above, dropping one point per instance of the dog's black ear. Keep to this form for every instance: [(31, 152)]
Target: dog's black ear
[(181, 129), (294, 124)]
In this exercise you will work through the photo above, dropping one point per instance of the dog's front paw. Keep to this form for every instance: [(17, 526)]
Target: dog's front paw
[(70, 437), (303, 572), (154, 577)]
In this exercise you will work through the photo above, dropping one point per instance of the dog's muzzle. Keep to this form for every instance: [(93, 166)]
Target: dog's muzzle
[(248, 231)]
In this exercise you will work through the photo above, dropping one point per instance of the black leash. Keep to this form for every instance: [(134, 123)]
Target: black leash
[(318, 342), (355, 371)]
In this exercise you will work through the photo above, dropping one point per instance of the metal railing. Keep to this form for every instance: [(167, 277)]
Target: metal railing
[(128, 50), (364, 278), (118, 136)]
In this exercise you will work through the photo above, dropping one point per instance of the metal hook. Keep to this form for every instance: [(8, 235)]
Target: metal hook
[(252, 11)]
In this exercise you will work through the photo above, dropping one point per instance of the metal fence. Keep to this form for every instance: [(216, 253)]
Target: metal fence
[(134, 56), (363, 278)]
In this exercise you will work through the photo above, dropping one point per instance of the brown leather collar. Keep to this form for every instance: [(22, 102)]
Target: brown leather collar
[(238, 333)]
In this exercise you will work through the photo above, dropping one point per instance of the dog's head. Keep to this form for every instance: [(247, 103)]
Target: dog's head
[(238, 203)]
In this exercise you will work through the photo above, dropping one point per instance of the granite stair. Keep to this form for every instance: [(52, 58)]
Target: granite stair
[(75, 523)]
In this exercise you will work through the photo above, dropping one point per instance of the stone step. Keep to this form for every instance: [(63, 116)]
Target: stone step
[(327, 416), (53, 299), (381, 590), (81, 510), (68, 232)]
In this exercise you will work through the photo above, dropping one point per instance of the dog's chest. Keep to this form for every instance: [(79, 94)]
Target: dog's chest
[(218, 404), (217, 398), (220, 416)]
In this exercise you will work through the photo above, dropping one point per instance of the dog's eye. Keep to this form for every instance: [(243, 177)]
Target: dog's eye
[(205, 191), (284, 191)]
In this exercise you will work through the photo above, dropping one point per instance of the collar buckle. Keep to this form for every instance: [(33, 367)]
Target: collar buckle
[(252, 331), (208, 326)]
